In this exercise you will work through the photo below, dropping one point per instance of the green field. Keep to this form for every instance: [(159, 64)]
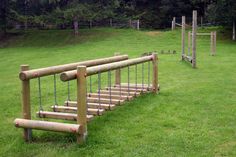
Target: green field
[(194, 114)]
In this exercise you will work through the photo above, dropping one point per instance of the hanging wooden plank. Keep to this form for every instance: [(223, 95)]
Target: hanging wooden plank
[(57, 115)]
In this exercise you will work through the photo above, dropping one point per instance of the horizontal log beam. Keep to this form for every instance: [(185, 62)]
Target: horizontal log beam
[(108, 96), (71, 75), (68, 109), (57, 115), (30, 74), (48, 126)]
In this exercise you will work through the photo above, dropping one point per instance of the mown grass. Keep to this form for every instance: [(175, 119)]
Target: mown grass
[(194, 115)]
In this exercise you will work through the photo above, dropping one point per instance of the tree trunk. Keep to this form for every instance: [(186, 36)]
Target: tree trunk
[(76, 26)]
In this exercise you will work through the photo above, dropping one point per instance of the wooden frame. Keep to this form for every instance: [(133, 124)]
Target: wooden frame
[(78, 110)]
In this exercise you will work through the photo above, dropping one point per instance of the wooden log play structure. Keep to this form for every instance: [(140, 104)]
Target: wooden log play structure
[(88, 103), (188, 57)]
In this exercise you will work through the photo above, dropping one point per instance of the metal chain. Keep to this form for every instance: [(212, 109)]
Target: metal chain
[(55, 90), (109, 85), (90, 84), (142, 76), (128, 82), (99, 88), (40, 96), (136, 78), (68, 93), (148, 75)]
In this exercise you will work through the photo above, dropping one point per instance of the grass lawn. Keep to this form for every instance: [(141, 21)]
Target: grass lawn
[(194, 114)]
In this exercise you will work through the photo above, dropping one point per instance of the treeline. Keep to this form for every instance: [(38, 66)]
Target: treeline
[(152, 13)]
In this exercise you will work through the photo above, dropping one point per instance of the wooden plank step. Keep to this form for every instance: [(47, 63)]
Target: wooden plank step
[(104, 101), (57, 115), (133, 87), (48, 126), (91, 105), (115, 92), (68, 109), (107, 96), (126, 89)]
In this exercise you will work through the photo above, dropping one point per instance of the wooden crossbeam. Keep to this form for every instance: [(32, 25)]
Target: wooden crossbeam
[(57, 115), (68, 109), (107, 96)]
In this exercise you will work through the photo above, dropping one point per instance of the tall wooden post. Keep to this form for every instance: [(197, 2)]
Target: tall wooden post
[(138, 24), (212, 43), (117, 73), (183, 36), (155, 73), (214, 48), (194, 35), (130, 23), (234, 30), (174, 23), (81, 103), (90, 24), (26, 103), (189, 43)]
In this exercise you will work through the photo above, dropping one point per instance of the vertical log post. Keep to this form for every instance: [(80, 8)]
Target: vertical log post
[(117, 73), (212, 43), (81, 103), (172, 25), (194, 35), (214, 48), (174, 22), (26, 103), (138, 24), (155, 73), (90, 24), (189, 43), (234, 30), (183, 36)]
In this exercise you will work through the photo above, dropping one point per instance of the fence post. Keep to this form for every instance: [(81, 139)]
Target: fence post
[(173, 23), (138, 24), (201, 21), (90, 24), (194, 35), (155, 73), (26, 103), (233, 30), (183, 36), (111, 24), (117, 73), (130, 23), (81, 103)]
